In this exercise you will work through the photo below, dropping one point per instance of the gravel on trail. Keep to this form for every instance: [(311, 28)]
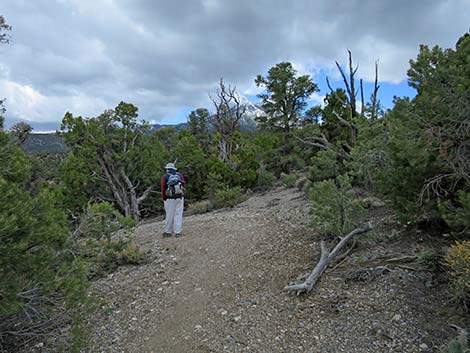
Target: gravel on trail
[(219, 288)]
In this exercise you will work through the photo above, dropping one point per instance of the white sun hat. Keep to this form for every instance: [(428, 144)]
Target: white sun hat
[(170, 166)]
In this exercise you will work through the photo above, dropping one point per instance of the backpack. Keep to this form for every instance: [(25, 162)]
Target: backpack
[(174, 186)]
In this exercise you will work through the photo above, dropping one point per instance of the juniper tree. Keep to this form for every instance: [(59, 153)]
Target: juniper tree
[(285, 97), (113, 158)]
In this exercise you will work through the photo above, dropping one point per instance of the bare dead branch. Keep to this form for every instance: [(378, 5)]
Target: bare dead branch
[(316, 141), (328, 83), (229, 110), (362, 98), (326, 258), (374, 100)]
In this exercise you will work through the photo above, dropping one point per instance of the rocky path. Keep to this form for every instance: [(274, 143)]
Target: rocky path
[(219, 289)]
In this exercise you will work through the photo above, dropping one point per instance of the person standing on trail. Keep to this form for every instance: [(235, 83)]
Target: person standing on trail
[(173, 198)]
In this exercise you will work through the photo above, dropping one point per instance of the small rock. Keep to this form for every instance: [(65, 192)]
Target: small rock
[(423, 346), (223, 312), (237, 318), (397, 317)]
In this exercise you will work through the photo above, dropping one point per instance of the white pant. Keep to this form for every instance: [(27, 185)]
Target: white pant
[(174, 215)]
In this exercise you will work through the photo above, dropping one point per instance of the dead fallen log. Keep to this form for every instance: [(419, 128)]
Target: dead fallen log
[(326, 258)]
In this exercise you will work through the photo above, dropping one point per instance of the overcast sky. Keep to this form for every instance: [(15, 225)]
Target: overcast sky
[(85, 56)]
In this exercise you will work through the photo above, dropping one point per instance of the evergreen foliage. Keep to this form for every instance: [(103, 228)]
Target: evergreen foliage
[(36, 272), (285, 97), (427, 149), (103, 239), (335, 209), (265, 180), (324, 166), (113, 156)]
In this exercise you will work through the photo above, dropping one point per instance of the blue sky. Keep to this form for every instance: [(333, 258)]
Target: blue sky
[(386, 93), (85, 56)]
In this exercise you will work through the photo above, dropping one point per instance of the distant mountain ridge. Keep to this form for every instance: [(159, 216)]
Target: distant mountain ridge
[(49, 142), (247, 123), (44, 143)]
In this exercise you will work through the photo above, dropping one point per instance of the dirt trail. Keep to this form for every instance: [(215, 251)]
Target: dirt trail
[(219, 289), (189, 288), (211, 260)]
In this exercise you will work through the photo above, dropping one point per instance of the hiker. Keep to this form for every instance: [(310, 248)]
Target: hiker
[(173, 198)]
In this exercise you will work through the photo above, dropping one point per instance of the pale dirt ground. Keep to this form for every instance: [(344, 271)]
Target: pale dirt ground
[(219, 288)]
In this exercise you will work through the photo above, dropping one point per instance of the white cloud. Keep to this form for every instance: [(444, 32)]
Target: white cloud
[(24, 102), (164, 56)]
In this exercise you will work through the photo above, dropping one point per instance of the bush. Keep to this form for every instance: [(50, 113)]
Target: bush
[(302, 183), (266, 180), (228, 197), (429, 259), (200, 207), (104, 239), (42, 285), (457, 214), (368, 156), (131, 254), (288, 180), (458, 260), (335, 209), (324, 166)]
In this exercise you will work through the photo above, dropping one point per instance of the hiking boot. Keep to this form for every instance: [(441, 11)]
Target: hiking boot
[(166, 235), (177, 235)]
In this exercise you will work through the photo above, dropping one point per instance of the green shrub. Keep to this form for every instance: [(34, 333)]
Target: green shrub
[(302, 183), (457, 214), (288, 180), (104, 239), (131, 254), (324, 166), (228, 197), (368, 156), (200, 207), (265, 180), (39, 276), (429, 259), (335, 209)]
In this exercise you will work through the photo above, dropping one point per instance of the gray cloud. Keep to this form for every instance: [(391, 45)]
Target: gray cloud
[(164, 56)]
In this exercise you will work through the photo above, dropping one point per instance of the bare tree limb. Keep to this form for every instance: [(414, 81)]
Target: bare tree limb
[(229, 110), (374, 100), (328, 83), (363, 106), (326, 258)]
